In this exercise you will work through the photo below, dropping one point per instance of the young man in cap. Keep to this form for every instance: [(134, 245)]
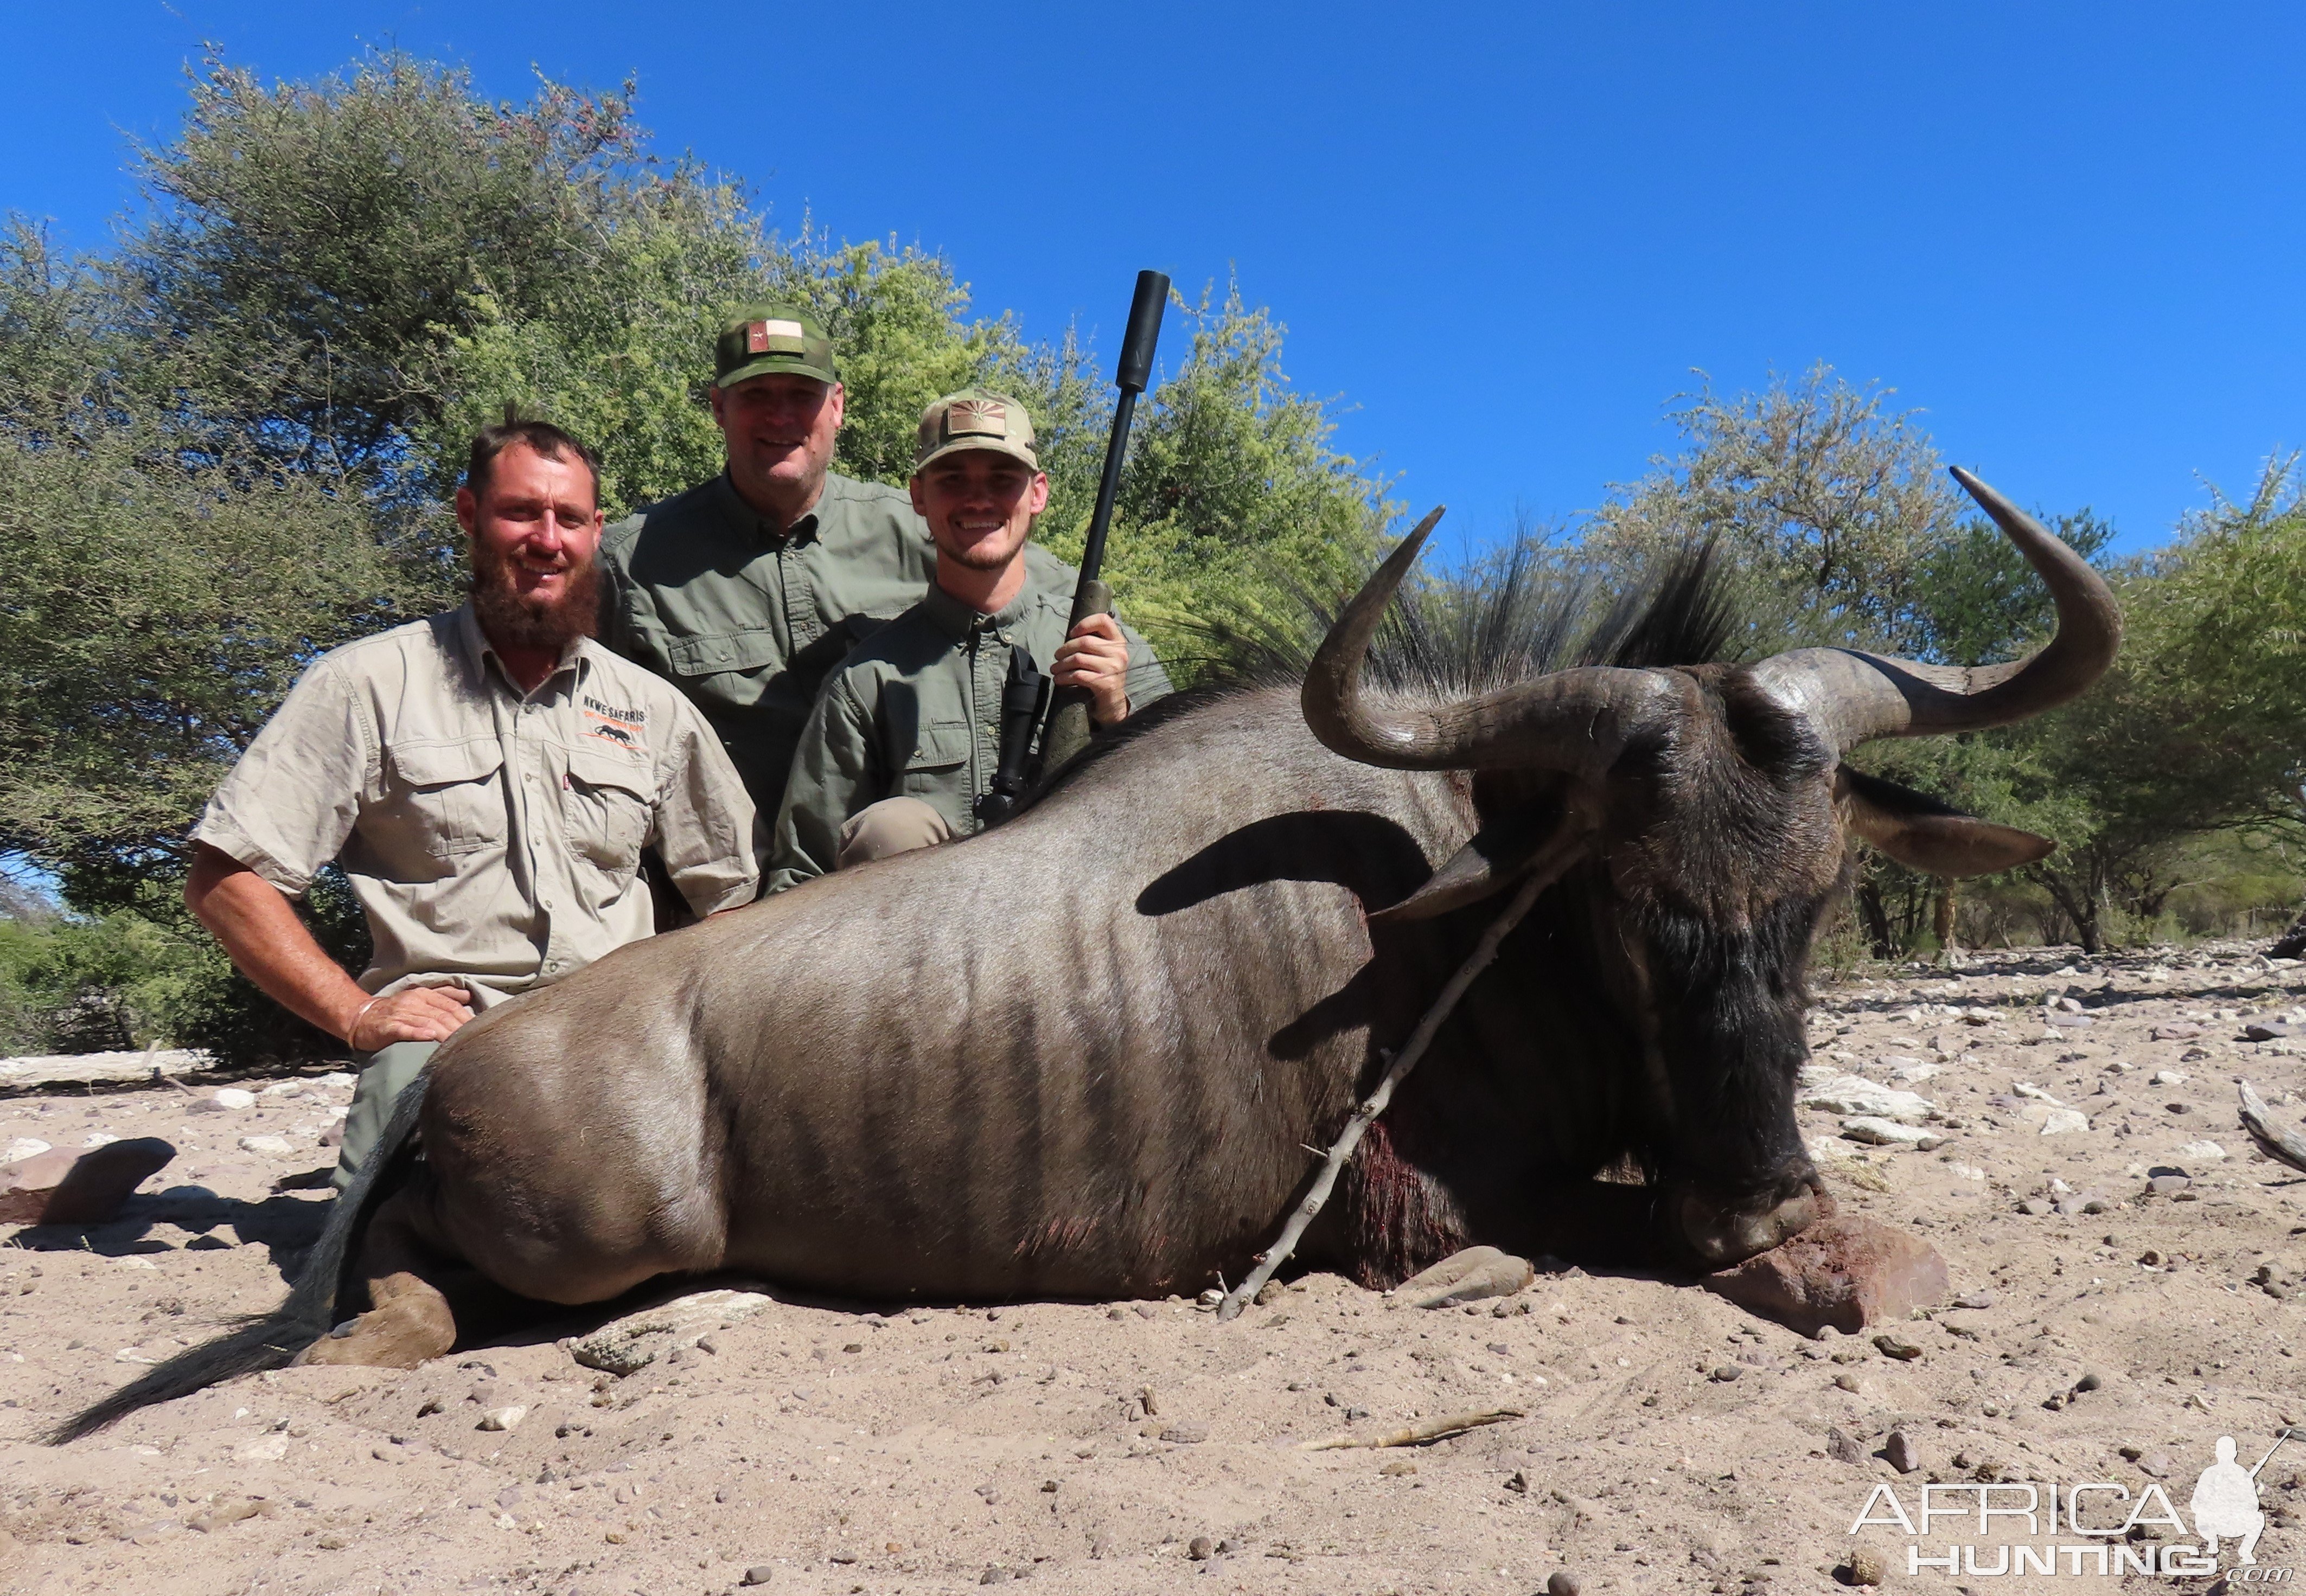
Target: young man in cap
[(905, 740), (486, 779), (743, 592)]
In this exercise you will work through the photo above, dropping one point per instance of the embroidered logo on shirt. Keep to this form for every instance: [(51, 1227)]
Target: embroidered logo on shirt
[(626, 726)]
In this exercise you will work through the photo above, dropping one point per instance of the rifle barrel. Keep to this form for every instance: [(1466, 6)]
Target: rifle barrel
[(1134, 370)]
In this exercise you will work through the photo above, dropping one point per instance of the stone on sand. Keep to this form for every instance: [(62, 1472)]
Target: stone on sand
[(66, 1187), (1847, 1271)]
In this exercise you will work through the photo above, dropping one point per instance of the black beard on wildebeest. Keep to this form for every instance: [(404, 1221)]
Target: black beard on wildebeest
[(1083, 1055)]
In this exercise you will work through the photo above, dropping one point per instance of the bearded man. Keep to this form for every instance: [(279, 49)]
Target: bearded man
[(486, 780)]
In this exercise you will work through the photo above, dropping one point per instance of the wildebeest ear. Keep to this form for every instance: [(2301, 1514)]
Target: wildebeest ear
[(1492, 860), (1924, 834)]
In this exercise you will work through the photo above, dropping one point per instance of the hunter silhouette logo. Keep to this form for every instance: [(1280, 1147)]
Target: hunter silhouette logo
[(2091, 1527), (2226, 1502)]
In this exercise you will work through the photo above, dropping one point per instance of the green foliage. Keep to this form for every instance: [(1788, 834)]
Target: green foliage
[(1827, 503), (161, 598), (315, 248), (70, 985)]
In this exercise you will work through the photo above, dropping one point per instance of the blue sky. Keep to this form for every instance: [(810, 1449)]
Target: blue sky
[(1503, 235)]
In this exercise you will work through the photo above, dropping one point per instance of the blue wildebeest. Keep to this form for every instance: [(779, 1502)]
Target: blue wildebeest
[(1083, 1055)]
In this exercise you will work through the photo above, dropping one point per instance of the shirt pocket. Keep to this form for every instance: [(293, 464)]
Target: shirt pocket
[(718, 653), (939, 759), (448, 796), (606, 809)]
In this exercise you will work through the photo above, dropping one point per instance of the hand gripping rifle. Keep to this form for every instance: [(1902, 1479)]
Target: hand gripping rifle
[(1022, 695)]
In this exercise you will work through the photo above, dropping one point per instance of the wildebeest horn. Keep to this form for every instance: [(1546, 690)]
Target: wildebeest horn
[(1851, 696), (1576, 721)]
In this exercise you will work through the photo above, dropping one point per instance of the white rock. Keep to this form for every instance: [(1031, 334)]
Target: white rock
[(2027, 1089), (2060, 1121), (504, 1418), (24, 1147), (271, 1448), (282, 1088), (265, 1144), (1854, 1094), (1922, 1071), (2165, 1078), (336, 1077), (231, 1097), (2205, 1151), (1963, 1171), (1881, 1132), (97, 1138)]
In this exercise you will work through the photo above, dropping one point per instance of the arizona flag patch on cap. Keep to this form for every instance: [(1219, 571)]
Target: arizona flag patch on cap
[(976, 418)]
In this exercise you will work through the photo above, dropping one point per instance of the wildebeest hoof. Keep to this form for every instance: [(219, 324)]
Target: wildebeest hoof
[(410, 1323), (1465, 1277), (1848, 1272)]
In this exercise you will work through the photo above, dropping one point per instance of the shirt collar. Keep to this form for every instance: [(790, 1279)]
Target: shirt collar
[(960, 620), (478, 652), (759, 527)]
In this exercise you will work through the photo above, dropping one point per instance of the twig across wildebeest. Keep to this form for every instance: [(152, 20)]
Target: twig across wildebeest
[(1484, 951), (1417, 1435), (2275, 1140)]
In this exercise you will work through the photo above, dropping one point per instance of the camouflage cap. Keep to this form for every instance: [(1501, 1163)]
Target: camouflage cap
[(765, 339), (975, 419)]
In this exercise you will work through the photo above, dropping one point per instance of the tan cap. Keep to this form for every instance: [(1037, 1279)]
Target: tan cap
[(975, 419)]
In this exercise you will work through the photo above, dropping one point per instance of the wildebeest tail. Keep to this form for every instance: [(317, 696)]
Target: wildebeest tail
[(272, 1340)]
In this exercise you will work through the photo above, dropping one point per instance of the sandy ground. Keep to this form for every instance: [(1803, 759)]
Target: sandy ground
[(1672, 1442)]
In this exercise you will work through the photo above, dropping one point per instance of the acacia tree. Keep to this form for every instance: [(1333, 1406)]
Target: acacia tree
[(1826, 502)]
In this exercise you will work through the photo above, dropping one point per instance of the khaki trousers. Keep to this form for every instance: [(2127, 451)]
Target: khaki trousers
[(382, 1075), (892, 825)]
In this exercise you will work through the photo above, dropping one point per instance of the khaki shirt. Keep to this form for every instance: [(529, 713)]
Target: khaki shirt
[(493, 837), (747, 619), (916, 712)]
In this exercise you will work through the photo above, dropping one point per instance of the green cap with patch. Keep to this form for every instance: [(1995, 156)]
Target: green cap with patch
[(975, 419), (765, 339)]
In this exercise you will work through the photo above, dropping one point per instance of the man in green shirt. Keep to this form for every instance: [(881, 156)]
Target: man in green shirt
[(906, 738), (743, 592)]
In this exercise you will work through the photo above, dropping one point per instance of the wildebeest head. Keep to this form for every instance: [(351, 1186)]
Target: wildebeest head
[(1703, 813)]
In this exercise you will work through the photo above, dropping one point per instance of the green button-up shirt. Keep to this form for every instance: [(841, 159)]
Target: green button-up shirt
[(916, 712), (745, 619)]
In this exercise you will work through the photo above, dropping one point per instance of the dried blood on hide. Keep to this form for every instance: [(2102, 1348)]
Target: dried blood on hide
[(1397, 1221)]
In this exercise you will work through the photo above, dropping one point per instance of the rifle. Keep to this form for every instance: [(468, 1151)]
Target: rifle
[(1025, 695), (1068, 730)]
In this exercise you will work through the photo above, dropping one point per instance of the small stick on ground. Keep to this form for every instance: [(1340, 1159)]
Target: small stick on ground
[(2275, 1140), (1366, 1114), (1419, 1434)]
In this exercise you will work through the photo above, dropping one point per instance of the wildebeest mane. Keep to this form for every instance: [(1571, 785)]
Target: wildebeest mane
[(1526, 610)]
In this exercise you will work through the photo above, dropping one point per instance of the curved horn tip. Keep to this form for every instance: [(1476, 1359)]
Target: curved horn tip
[(1989, 498), (1424, 529)]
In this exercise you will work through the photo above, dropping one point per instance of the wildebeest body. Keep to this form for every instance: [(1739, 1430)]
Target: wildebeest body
[(1084, 1063)]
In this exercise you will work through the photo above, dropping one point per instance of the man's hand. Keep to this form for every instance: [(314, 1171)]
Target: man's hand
[(259, 929), (411, 1014), (1096, 656)]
